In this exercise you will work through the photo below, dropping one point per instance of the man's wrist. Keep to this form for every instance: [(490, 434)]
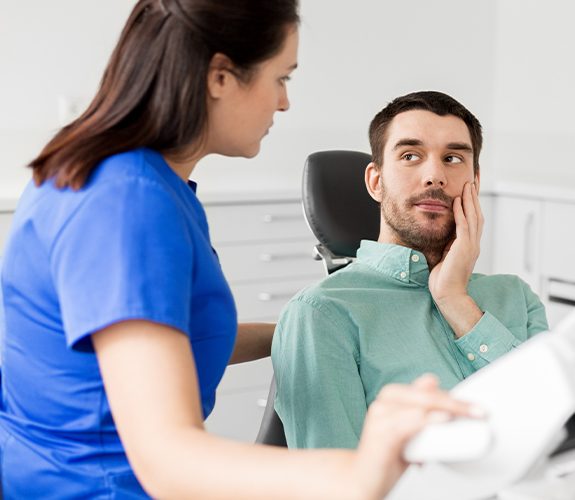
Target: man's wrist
[(460, 311)]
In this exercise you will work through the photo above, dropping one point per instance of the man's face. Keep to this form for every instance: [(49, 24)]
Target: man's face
[(427, 159)]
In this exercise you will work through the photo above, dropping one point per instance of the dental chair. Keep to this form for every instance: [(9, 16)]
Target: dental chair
[(340, 213)]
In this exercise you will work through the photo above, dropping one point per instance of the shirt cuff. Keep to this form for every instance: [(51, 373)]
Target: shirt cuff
[(488, 340)]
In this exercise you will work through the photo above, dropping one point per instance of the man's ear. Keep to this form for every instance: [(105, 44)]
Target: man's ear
[(220, 75), (373, 181)]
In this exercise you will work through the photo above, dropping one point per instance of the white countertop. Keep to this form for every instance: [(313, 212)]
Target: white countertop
[(532, 190), (228, 197), (7, 203), (8, 200)]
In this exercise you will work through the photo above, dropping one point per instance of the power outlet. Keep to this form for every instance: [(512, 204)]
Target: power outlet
[(69, 108)]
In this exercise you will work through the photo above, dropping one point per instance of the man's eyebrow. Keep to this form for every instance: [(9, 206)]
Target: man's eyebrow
[(456, 146), (407, 142), (460, 146)]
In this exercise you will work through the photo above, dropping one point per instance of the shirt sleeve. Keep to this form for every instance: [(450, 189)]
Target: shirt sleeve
[(320, 396), (125, 253), (490, 339)]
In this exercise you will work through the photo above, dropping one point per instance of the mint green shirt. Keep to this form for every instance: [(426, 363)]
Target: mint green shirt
[(374, 323)]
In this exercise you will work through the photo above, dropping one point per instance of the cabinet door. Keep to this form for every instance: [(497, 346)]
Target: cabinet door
[(242, 222), (485, 262), (559, 241), (250, 262), (237, 415), (517, 239)]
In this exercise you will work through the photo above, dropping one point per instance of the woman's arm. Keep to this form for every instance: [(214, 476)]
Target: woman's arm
[(151, 383), (254, 341)]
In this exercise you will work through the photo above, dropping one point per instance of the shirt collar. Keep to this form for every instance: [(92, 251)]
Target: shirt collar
[(400, 263)]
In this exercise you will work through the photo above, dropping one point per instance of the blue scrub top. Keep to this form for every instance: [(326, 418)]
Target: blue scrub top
[(133, 243)]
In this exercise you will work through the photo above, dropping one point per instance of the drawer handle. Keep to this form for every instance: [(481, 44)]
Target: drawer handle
[(268, 297), (529, 242), (265, 297), (269, 257), (269, 218)]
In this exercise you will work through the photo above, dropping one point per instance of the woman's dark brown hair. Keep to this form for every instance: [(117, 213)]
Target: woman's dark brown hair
[(153, 92)]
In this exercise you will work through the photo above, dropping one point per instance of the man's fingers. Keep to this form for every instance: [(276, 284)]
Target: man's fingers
[(469, 210), (478, 211), (461, 228)]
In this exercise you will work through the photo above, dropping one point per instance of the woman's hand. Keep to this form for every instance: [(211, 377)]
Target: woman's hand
[(398, 413)]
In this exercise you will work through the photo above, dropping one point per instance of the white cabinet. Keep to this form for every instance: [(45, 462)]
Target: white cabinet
[(5, 221), (485, 262), (517, 238), (559, 241), (533, 239), (266, 252), (558, 264)]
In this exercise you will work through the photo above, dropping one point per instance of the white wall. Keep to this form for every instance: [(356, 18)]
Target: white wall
[(534, 100), (48, 49), (354, 58), (509, 61)]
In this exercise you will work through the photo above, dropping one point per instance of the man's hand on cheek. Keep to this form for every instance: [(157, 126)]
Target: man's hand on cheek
[(449, 278)]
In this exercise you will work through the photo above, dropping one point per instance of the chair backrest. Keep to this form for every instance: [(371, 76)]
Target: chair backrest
[(271, 429), (339, 210), (340, 213)]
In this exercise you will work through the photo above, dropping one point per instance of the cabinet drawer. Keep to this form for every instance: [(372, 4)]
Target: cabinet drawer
[(252, 262), (256, 222), (558, 241), (238, 416), (246, 376), (5, 221), (263, 301)]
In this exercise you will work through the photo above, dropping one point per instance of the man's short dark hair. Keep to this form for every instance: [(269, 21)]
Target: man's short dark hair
[(437, 102)]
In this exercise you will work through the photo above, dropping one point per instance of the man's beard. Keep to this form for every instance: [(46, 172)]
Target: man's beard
[(431, 238)]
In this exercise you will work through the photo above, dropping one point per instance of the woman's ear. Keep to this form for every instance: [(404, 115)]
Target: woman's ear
[(373, 181), (220, 75)]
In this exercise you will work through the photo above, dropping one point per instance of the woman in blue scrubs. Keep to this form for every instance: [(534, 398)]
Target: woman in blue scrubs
[(119, 321)]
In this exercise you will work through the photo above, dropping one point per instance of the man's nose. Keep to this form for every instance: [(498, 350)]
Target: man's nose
[(434, 173)]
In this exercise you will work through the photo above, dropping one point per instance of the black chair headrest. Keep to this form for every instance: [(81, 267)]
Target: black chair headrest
[(338, 208)]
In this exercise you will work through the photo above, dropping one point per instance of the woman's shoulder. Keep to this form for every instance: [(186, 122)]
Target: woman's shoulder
[(129, 186), (142, 164)]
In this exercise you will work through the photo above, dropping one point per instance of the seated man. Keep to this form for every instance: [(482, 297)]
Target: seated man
[(409, 304)]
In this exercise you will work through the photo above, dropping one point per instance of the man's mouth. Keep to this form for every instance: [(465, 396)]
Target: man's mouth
[(432, 200), (432, 205)]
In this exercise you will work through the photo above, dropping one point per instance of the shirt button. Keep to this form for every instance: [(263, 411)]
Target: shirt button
[(471, 357), (415, 258), (402, 275), (483, 348)]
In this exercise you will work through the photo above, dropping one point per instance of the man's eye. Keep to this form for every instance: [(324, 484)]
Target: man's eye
[(453, 159), (410, 157)]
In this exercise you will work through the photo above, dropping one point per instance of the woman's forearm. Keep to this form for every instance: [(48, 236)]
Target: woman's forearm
[(186, 469), (151, 383)]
